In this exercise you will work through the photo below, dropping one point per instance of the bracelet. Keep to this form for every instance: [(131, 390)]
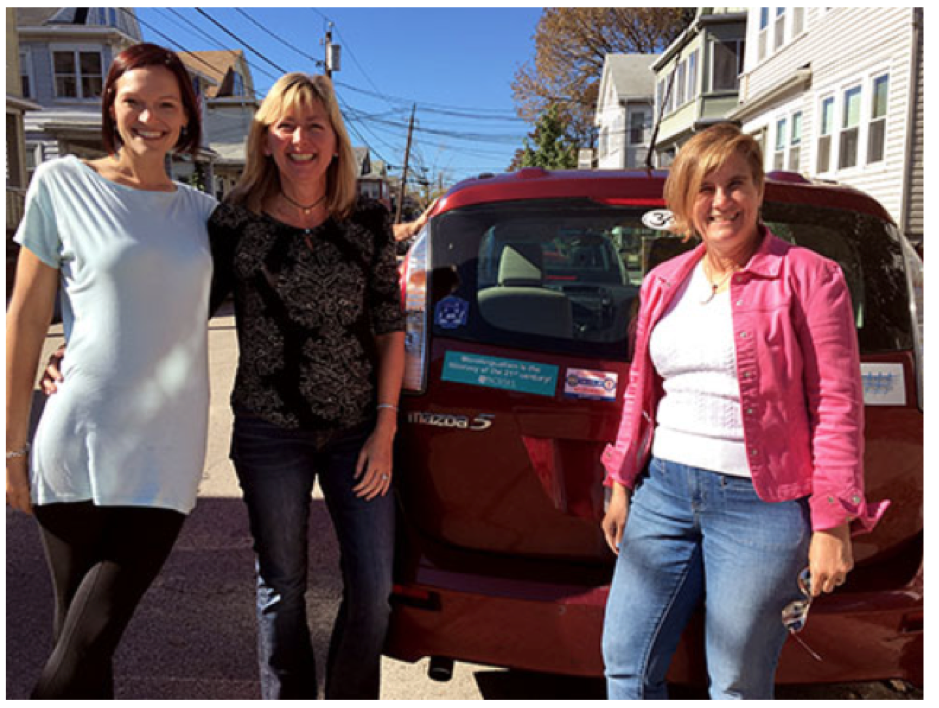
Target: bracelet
[(387, 405), (22, 452)]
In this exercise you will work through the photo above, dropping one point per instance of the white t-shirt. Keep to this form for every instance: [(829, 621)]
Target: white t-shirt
[(128, 425), (698, 421)]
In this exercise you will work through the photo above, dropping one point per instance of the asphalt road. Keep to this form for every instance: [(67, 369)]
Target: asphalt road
[(193, 636)]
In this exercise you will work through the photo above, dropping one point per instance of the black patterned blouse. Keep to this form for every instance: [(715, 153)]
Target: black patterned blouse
[(308, 304)]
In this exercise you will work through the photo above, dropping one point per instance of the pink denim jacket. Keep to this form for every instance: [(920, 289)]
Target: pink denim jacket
[(801, 395)]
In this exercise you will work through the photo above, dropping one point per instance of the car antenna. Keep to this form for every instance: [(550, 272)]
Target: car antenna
[(658, 121)]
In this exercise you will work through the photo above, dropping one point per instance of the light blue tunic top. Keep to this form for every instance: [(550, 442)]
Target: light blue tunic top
[(128, 425)]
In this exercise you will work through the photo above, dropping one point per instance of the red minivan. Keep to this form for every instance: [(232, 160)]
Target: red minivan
[(520, 292)]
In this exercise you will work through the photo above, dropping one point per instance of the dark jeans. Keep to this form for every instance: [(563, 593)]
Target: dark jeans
[(277, 468), (102, 561)]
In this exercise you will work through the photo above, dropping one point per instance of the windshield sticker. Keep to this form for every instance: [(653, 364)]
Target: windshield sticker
[(451, 312), (591, 385), (495, 372), (884, 384), (658, 219)]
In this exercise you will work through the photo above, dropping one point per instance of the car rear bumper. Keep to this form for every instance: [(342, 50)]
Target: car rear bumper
[(861, 635)]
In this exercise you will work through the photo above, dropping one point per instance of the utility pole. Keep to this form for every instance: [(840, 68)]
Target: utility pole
[(333, 54), (404, 174)]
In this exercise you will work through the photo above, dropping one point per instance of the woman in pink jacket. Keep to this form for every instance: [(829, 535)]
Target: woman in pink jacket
[(739, 459)]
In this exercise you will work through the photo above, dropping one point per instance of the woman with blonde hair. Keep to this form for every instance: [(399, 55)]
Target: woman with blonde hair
[(321, 359), (741, 441)]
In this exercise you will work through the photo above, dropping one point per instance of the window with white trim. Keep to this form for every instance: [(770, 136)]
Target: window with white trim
[(825, 129), (764, 32), (78, 73), (693, 75), (681, 81), (779, 153), (798, 21), (849, 136), (640, 124), (779, 28), (726, 64), (795, 143), (877, 128)]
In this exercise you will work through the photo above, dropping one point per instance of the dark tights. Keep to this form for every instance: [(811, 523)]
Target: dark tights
[(102, 561)]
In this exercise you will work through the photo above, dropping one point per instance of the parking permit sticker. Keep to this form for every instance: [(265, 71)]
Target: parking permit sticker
[(884, 384), (657, 219), (451, 312), (495, 372), (591, 385)]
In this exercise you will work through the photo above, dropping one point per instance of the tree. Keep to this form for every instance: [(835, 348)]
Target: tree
[(571, 44), (552, 148)]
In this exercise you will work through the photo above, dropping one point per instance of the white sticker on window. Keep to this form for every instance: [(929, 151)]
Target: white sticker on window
[(884, 384), (658, 219)]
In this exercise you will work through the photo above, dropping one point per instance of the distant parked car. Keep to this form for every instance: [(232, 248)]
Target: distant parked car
[(519, 293)]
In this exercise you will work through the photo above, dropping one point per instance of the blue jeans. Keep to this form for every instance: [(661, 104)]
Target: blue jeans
[(690, 534), (277, 468)]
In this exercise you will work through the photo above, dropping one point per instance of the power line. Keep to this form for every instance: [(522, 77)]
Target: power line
[(319, 63), (239, 40)]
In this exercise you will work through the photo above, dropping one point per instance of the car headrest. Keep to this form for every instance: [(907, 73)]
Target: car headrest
[(521, 265)]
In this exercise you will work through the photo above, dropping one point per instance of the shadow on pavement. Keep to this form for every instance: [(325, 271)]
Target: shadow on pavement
[(193, 635)]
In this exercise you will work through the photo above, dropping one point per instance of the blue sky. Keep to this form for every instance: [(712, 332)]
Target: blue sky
[(457, 65)]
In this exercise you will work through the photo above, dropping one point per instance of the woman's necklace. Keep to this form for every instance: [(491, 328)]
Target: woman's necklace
[(305, 208), (715, 285)]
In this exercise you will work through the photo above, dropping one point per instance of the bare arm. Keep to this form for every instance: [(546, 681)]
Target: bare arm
[(403, 232), (375, 460), (28, 320)]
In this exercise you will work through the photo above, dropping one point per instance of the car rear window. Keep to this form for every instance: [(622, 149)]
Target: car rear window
[(564, 275)]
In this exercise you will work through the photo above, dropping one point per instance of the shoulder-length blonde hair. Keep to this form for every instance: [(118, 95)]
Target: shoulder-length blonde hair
[(701, 155), (261, 178)]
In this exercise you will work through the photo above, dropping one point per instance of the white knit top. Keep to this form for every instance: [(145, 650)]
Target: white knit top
[(698, 422)]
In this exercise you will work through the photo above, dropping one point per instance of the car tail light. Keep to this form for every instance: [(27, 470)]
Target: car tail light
[(414, 284), (914, 279)]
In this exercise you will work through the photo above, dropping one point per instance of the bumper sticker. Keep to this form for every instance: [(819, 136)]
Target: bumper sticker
[(592, 385), (451, 312), (495, 372), (884, 384)]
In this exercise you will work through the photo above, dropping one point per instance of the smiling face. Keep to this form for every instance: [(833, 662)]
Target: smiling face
[(302, 143), (727, 207), (148, 110)]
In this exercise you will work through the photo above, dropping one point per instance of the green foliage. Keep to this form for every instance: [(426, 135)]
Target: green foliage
[(548, 145)]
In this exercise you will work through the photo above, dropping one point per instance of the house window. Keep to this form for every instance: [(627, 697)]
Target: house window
[(779, 29), (681, 80), (795, 142), (638, 127), (26, 73), (764, 31), (877, 130), (779, 154), (798, 21), (727, 64), (825, 130), (693, 75), (850, 126), (78, 74), (238, 85)]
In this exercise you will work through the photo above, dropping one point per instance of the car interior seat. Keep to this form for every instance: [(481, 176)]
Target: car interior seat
[(519, 301)]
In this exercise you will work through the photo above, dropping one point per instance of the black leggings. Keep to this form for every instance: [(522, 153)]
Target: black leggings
[(102, 561)]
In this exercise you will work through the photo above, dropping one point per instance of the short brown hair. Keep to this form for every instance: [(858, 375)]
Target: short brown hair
[(701, 155), (136, 57), (260, 179)]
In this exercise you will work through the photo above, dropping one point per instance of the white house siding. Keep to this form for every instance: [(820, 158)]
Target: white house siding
[(842, 46)]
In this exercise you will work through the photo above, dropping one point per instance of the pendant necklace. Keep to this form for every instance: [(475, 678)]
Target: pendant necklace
[(715, 286), (305, 208)]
